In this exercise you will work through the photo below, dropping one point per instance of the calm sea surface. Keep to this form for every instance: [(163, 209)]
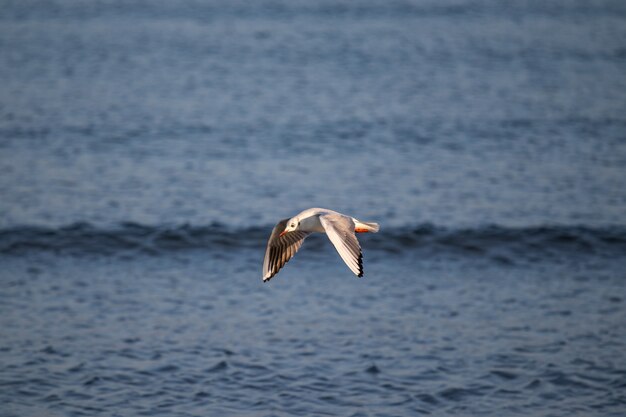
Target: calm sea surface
[(147, 148)]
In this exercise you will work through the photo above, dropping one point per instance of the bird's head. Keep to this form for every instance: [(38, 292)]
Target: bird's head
[(292, 225)]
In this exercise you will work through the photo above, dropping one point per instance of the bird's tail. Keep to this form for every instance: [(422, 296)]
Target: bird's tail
[(365, 227)]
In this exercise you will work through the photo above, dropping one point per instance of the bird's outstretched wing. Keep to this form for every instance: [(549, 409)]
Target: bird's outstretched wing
[(280, 249), (340, 231)]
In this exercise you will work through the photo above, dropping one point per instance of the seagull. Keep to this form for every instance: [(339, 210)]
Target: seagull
[(288, 235)]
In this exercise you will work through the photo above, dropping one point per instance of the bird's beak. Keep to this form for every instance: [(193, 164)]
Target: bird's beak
[(282, 233)]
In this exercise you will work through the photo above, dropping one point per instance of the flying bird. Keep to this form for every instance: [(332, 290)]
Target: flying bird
[(288, 235)]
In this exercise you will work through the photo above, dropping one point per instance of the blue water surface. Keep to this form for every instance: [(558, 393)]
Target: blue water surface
[(147, 149)]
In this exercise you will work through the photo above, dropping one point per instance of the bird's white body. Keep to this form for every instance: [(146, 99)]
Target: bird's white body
[(288, 235), (310, 221)]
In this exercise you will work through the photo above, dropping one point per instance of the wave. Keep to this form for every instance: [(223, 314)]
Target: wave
[(500, 243)]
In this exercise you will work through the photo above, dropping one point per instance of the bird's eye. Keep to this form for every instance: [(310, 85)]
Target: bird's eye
[(293, 225)]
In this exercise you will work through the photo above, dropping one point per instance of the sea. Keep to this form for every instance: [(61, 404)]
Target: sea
[(148, 148)]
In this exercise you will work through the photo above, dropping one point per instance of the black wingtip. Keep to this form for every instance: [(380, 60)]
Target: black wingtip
[(360, 265)]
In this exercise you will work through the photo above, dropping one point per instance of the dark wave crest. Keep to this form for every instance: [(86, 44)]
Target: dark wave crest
[(501, 243)]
